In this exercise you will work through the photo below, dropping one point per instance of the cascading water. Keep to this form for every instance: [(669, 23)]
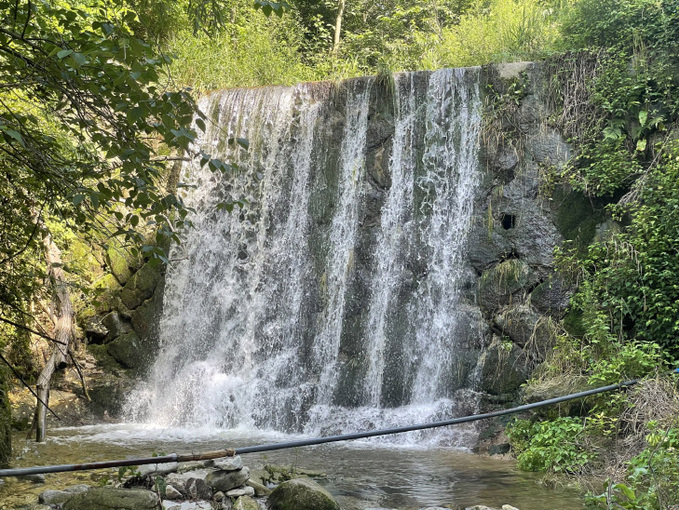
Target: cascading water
[(331, 301)]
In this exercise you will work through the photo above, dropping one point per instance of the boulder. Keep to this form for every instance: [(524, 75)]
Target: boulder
[(55, 497), (128, 351), (301, 494), (260, 489), (226, 480), (116, 325), (141, 286), (107, 498)]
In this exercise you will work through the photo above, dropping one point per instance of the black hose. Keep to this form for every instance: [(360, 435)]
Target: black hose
[(311, 442)]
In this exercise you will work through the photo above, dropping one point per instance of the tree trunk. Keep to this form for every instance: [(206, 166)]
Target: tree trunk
[(63, 330), (338, 25)]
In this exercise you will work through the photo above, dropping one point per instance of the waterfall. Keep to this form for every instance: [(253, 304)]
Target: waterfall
[(331, 301)]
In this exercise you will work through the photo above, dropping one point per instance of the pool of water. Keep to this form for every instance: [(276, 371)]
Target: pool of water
[(360, 474)]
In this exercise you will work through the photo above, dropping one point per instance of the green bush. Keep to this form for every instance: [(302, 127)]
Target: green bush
[(555, 446)]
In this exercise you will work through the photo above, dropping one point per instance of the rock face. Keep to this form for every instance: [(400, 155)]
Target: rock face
[(509, 294), (301, 494), (104, 498)]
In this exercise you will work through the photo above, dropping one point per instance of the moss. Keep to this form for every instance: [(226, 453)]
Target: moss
[(301, 494), (141, 286), (576, 218)]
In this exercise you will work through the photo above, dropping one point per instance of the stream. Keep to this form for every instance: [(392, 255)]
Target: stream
[(359, 474)]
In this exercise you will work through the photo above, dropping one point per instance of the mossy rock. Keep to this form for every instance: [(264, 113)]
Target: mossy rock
[(301, 494), (128, 350), (106, 498), (505, 368), (245, 503), (141, 286), (117, 261), (504, 283)]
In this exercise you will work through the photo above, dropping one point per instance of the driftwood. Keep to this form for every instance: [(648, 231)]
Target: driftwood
[(62, 312)]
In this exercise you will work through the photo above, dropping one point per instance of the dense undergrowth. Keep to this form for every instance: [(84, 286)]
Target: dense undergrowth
[(623, 322)]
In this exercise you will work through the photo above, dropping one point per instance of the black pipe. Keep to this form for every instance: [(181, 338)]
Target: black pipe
[(310, 442)]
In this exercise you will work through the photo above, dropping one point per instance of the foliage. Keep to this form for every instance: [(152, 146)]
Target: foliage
[(652, 480), (554, 446)]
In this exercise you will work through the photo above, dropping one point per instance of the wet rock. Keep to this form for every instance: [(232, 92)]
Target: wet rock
[(56, 497), (301, 494), (480, 507), (227, 480), (241, 491), (229, 463), (106, 498), (247, 503), (509, 507), (218, 496)]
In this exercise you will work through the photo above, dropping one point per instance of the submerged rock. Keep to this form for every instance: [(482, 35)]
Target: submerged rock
[(301, 494), (106, 498)]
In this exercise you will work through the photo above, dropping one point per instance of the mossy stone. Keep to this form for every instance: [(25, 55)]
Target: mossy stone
[(245, 503), (301, 494), (127, 350), (117, 261), (141, 286), (106, 498)]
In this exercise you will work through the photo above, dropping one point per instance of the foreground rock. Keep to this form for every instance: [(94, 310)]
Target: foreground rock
[(301, 494), (104, 498)]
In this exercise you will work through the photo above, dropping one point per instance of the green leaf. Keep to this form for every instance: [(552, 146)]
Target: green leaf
[(200, 124), (643, 116), (641, 145), (64, 53), (16, 135)]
